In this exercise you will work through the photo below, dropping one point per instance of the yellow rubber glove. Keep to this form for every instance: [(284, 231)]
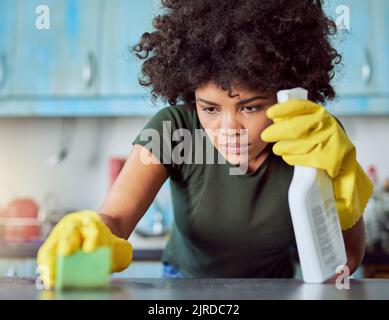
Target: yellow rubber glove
[(81, 230), (306, 134)]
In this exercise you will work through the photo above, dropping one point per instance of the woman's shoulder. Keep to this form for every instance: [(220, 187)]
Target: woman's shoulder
[(160, 128), (180, 111), (181, 116)]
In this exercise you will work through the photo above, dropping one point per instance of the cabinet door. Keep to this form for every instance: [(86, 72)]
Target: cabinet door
[(124, 23), (355, 41), (7, 28), (61, 60), (381, 49)]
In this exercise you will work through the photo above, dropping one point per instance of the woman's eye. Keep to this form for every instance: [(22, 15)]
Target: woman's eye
[(249, 109), (210, 110)]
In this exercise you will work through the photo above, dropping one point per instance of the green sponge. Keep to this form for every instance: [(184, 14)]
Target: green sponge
[(84, 270)]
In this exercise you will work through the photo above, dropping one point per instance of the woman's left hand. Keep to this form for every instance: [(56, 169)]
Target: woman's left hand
[(306, 134)]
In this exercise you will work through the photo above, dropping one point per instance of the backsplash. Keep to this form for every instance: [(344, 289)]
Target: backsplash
[(82, 181)]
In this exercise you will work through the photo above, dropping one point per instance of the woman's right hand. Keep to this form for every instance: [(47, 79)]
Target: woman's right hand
[(81, 230)]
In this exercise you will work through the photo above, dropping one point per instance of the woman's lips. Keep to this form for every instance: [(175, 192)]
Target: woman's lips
[(235, 148)]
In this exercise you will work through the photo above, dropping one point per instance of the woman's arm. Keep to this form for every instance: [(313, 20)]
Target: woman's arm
[(354, 241), (132, 192)]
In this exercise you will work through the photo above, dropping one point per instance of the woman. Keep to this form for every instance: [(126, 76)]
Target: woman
[(219, 64)]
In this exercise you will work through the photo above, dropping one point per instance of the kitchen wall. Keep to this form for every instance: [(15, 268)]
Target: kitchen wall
[(371, 137), (82, 180)]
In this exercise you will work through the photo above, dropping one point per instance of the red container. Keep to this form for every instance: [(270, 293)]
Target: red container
[(20, 221), (22, 208)]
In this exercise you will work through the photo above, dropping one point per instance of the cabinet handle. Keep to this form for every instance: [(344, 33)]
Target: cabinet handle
[(2, 69), (89, 70), (367, 68)]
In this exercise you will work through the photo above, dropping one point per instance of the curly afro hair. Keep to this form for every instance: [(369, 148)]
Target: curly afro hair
[(256, 44)]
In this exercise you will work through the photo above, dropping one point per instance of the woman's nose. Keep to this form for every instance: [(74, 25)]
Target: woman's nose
[(230, 123)]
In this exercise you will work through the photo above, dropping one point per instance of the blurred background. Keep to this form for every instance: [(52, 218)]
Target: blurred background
[(70, 105)]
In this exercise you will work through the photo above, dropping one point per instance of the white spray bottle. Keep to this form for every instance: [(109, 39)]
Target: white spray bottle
[(314, 215)]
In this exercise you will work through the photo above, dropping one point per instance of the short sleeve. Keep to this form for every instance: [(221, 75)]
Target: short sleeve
[(156, 136), (340, 123)]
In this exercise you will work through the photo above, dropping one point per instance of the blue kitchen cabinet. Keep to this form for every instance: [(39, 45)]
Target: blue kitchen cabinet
[(82, 65), (355, 41), (7, 22), (71, 106), (359, 106), (61, 60), (124, 23), (381, 48)]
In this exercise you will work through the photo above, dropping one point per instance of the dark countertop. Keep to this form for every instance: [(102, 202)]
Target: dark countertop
[(203, 289)]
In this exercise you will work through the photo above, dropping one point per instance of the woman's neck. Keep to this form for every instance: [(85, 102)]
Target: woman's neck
[(255, 163)]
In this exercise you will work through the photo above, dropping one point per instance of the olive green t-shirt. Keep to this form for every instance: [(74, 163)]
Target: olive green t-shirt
[(224, 225)]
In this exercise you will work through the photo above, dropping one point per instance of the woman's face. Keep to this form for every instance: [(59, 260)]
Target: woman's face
[(236, 122)]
